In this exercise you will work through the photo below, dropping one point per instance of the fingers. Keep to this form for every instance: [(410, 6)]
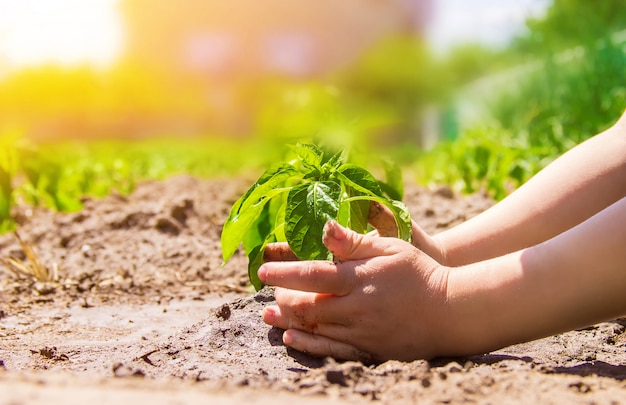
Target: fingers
[(314, 276), (320, 338), (326, 277), (381, 218), (322, 346), (348, 245), (278, 252), (272, 315), (305, 311)]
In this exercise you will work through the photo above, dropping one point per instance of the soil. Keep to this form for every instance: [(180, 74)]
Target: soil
[(143, 310)]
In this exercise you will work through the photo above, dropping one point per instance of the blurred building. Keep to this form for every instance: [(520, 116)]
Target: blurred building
[(293, 38), (216, 45), (196, 67)]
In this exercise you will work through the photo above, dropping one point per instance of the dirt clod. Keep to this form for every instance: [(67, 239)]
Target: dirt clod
[(223, 312)]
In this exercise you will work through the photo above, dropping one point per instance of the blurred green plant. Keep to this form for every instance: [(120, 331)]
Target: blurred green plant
[(59, 175), (494, 161), (313, 112), (8, 169), (571, 23), (568, 84), (398, 78), (6, 197), (569, 97)]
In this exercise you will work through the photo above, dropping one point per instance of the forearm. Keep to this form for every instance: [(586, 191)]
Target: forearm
[(575, 279), (574, 187)]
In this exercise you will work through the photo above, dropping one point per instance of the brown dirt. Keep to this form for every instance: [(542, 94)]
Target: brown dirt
[(143, 310)]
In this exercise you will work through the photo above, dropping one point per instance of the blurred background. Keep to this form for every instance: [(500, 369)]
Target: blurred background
[(477, 95)]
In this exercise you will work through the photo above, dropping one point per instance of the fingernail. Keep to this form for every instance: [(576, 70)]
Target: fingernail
[(326, 230), (262, 274), (269, 315), (332, 230), (288, 338)]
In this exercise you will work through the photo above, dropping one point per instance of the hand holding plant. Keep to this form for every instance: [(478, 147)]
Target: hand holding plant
[(292, 202)]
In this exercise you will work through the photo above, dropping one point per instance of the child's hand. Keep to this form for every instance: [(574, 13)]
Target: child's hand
[(381, 218), (383, 299)]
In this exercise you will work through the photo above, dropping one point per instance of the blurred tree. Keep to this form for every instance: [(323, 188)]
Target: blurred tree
[(398, 75), (576, 85), (470, 61), (572, 23)]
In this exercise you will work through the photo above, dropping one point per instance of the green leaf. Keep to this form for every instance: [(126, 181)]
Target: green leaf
[(247, 210), (258, 231), (359, 179), (400, 212), (403, 219), (272, 175), (310, 155), (270, 229), (6, 181), (358, 212), (5, 207), (393, 186), (255, 260), (235, 228), (67, 203), (279, 221), (309, 207), (343, 215), (363, 181), (337, 159), (6, 190)]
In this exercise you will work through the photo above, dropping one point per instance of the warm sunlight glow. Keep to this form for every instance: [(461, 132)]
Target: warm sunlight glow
[(58, 31), (490, 22)]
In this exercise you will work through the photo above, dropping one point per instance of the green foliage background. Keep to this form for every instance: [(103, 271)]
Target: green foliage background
[(558, 83), (568, 83), (59, 175)]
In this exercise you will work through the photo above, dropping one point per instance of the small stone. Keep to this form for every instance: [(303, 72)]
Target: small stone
[(223, 312), (167, 225), (445, 192), (336, 377)]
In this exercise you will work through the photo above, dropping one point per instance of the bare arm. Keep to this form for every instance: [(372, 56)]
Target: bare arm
[(575, 279), (574, 187), (547, 259), (389, 300)]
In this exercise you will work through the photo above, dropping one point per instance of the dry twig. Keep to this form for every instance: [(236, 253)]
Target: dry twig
[(33, 268)]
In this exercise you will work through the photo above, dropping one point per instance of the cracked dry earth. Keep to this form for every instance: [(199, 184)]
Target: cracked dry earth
[(144, 311)]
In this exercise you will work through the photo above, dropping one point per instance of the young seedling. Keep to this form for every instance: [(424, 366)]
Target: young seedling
[(292, 202)]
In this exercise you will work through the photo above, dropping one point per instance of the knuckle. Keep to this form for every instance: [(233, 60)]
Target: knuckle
[(299, 308), (354, 243), (345, 351), (347, 281), (279, 295), (308, 271), (318, 275)]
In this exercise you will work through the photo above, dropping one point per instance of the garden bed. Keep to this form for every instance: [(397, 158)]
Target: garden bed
[(144, 310)]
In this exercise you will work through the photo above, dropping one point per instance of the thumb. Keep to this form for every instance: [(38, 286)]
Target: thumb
[(346, 244), (382, 219)]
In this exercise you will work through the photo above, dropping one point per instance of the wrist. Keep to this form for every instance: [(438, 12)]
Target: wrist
[(480, 307), (439, 251), (430, 245), (440, 325)]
